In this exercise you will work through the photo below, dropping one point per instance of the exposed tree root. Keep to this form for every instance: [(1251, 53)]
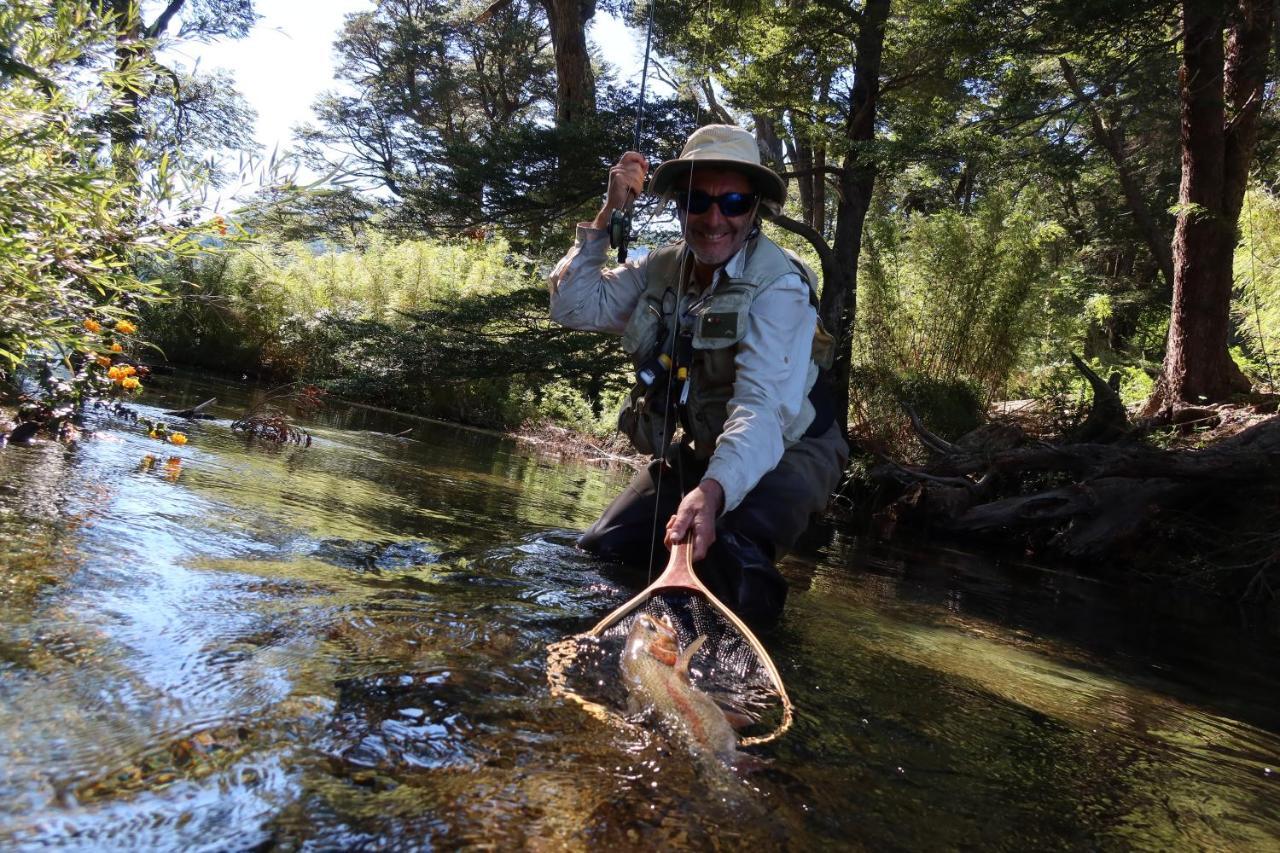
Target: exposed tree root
[(1101, 495)]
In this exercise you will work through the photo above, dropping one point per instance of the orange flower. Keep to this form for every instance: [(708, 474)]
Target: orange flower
[(115, 373), (177, 438), (124, 327), (117, 348), (93, 325), (104, 361), (128, 369)]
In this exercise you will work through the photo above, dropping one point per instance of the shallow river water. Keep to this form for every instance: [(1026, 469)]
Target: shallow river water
[(234, 645)]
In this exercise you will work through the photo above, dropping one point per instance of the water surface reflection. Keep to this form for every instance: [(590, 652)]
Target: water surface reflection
[(344, 646)]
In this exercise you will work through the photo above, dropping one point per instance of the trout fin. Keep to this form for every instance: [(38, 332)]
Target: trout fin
[(686, 657), (744, 763), (738, 720)]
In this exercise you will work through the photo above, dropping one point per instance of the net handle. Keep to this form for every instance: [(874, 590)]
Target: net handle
[(679, 575)]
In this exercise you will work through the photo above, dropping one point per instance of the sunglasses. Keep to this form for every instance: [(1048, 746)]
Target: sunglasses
[(731, 204)]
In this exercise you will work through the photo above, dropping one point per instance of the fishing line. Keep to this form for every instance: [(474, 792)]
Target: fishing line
[(681, 281)]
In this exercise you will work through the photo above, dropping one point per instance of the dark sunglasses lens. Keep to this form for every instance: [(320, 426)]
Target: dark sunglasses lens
[(736, 204), (695, 202), (731, 204)]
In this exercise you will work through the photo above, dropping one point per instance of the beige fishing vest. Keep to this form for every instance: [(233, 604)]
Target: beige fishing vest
[(719, 325)]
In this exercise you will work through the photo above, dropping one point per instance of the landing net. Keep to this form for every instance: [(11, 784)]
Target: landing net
[(731, 666)]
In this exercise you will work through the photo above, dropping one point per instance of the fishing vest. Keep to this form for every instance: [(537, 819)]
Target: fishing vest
[(650, 415)]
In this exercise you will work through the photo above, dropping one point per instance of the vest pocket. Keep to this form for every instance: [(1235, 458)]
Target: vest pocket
[(641, 333), (723, 319)]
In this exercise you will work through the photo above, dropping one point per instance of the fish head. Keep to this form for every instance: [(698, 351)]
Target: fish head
[(651, 637)]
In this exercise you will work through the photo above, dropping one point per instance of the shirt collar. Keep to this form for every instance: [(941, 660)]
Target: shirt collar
[(732, 269)]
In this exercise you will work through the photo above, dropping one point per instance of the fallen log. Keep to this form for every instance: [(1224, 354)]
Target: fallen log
[(1113, 497)]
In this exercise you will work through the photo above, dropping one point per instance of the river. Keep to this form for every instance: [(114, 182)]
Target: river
[(236, 645)]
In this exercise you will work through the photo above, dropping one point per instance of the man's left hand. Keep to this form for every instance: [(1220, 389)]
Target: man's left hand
[(696, 518)]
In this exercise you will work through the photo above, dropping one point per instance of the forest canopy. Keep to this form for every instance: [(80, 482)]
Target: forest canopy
[(985, 187)]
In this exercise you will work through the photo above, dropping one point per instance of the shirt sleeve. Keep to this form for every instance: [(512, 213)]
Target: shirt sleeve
[(772, 368), (585, 295)]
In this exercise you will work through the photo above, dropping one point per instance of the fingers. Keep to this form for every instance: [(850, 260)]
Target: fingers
[(692, 521), (626, 179)]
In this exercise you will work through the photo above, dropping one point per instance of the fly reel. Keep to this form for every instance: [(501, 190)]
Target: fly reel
[(620, 233)]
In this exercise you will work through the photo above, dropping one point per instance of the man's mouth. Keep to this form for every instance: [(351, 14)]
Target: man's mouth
[(709, 237)]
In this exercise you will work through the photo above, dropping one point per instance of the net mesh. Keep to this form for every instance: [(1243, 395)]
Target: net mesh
[(730, 666)]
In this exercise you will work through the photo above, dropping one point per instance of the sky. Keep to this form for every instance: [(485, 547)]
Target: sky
[(287, 59)]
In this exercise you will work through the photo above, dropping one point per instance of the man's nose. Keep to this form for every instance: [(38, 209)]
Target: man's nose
[(713, 214)]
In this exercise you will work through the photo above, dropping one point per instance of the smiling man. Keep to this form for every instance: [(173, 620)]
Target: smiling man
[(730, 397)]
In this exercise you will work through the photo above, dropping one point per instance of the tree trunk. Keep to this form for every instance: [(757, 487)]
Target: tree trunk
[(857, 180), (1216, 155), (575, 83)]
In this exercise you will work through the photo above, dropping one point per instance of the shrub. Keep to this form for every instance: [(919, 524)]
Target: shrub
[(70, 229)]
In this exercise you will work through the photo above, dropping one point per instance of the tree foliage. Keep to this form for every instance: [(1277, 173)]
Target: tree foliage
[(457, 119), (69, 229)]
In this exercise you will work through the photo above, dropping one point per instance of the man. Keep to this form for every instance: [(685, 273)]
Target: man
[(723, 330)]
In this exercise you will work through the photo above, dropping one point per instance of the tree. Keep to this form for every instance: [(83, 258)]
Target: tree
[(575, 81), (437, 95), (67, 220), (1225, 54), (176, 105), (771, 57), (458, 120)]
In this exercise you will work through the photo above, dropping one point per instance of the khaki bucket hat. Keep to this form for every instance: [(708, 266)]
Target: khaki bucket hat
[(722, 146)]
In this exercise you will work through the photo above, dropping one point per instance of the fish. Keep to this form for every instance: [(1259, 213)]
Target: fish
[(656, 675)]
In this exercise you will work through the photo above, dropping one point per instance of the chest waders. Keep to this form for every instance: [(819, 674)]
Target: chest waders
[(685, 365)]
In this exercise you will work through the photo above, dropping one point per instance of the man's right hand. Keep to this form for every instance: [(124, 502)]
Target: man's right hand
[(626, 181)]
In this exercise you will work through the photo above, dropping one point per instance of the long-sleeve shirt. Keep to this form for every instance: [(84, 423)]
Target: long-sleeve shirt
[(771, 363)]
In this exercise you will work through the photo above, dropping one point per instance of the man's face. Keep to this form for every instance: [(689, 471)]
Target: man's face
[(713, 237)]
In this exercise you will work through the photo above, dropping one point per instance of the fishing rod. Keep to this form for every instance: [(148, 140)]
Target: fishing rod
[(620, 220)]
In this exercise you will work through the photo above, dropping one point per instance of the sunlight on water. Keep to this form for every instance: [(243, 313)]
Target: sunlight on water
[(231, 645)]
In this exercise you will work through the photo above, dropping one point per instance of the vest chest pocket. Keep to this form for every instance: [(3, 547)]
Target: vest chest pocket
[(641, 334), (723, 320)]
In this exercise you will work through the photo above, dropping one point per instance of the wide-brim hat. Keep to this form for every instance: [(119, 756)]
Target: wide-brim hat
[(721, 146)]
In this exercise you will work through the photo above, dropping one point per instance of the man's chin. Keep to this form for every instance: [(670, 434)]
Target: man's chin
[(711, 257)]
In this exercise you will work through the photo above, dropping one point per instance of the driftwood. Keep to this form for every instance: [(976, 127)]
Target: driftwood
[(195, 412), (1098, 492)]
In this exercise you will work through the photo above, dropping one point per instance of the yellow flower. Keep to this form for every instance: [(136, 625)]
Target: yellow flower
[(93, 325), (178, 438), (124, 327), (128, 369), (130, 383), (153, 434), (117, 348), (104, 361), (115, 373)]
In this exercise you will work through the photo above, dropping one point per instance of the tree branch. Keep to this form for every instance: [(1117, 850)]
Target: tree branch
[(160, 24), (819, 243)]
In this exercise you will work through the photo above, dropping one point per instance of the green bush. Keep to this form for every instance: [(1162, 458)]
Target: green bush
[(448, 329), (70, 228), (1256, 307), (951, 308)]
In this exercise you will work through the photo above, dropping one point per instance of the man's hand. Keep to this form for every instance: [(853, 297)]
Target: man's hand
[(696, 517), (626, 181)]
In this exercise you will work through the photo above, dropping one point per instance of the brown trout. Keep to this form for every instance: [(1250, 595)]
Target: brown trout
[(657, 679)]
